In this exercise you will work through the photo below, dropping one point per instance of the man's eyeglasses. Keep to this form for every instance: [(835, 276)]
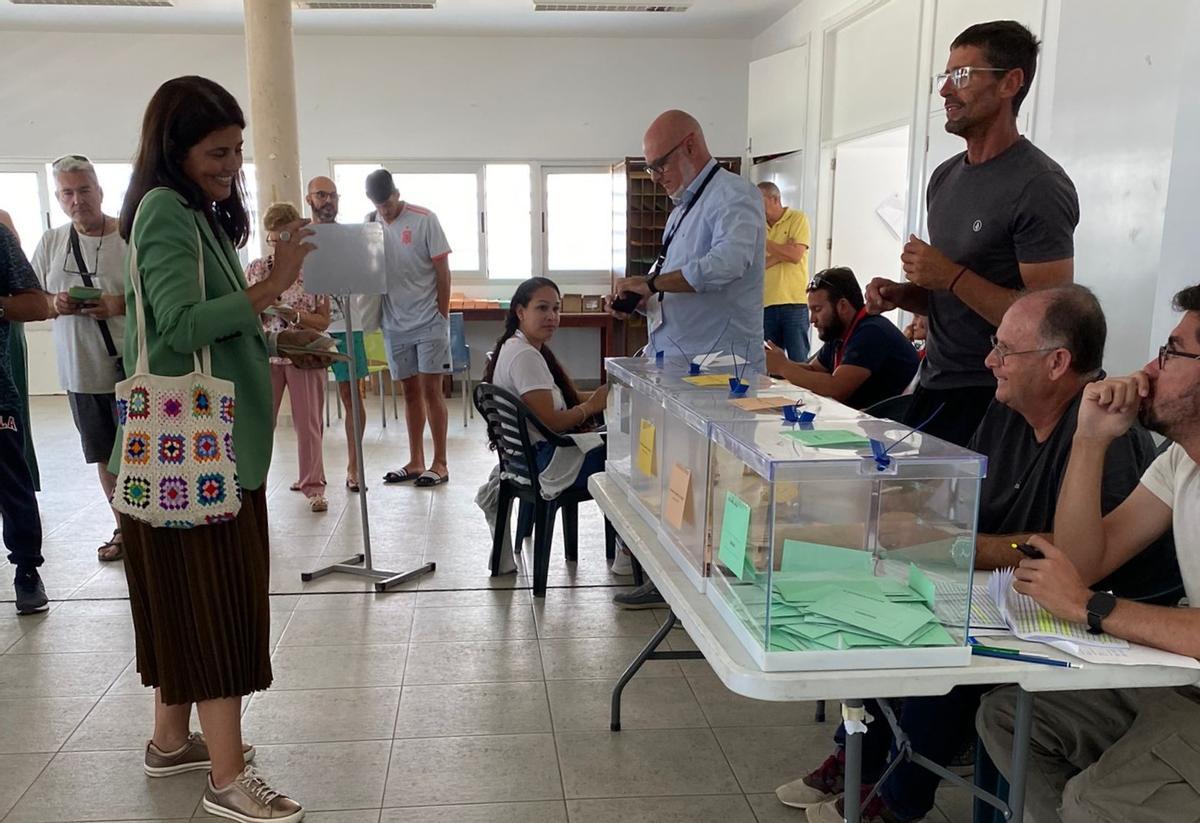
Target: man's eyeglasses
[(658, 166), (1166, 352), (1002, 351), (324, 195), (961, 76)]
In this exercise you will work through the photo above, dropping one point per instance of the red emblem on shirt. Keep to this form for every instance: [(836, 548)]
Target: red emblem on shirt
[(406, 237)]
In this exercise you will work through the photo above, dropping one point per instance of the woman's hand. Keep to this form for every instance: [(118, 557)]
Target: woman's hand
[(598, 401), (290, 254)]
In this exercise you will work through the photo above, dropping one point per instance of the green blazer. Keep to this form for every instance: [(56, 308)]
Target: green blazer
[(179, 323)]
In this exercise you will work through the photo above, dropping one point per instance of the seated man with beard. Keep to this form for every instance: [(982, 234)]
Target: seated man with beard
[(865, 358)]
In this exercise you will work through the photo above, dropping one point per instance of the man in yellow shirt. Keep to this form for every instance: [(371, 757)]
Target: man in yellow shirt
[(785, 306)]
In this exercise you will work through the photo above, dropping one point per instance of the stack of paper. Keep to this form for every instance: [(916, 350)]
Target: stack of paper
[(1029, 621), (829, 598)]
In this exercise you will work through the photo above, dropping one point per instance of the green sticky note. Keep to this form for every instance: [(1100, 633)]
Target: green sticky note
[(735, 527), (919, 583), (895, 621), (828, 438), (801, 556)]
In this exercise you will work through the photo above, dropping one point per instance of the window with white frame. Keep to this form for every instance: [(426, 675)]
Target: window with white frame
[(578, 220), (505, 220)]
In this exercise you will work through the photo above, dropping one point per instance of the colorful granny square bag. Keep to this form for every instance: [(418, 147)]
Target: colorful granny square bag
[(177, 462)]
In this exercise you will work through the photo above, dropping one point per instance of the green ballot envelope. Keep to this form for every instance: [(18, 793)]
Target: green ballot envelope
[(84, 294)]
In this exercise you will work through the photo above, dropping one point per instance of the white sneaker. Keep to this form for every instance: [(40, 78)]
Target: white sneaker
[(622, 561)]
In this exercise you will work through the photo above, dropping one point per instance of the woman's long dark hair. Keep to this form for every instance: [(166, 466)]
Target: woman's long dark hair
[(182, 113), (521, 298)]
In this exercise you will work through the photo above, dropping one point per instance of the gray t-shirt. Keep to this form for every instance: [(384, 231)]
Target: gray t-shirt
[(413, 241), (1019, 207), (84, 364)]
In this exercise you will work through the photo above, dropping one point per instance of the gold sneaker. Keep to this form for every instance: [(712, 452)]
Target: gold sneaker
[(192, 756), (249, 799)]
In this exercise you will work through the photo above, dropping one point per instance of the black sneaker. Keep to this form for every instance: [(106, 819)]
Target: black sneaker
[(645, 596), (31, 594)]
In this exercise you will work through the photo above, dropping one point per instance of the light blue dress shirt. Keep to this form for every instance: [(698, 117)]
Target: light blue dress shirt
[(721, 250)]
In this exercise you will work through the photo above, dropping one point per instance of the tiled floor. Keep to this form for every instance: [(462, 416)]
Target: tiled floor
[(456, 700)]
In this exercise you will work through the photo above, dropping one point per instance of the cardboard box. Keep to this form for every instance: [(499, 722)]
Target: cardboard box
[(572, 303), (592, 303)]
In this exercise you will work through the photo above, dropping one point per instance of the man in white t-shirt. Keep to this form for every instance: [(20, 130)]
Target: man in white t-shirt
[(88, 334), (1122, 754), (416, 324)]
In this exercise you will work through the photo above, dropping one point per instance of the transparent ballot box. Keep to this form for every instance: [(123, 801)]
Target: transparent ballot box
[(843, 544), (684, 528), (638, 387)]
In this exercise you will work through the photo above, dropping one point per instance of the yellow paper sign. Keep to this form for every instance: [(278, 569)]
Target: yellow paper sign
[(677, 496), (645, 458), (709, 381)]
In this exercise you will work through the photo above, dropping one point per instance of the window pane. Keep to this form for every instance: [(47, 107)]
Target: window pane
[(452, 196), (114, 181), (579, 221), (509, 221), (20, 198)]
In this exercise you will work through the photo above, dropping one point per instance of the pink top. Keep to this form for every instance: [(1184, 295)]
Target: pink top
[(295, 297)]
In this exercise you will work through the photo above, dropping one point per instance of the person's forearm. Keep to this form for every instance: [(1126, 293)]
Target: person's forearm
[(443, 286), (265, 293), (816, 380), (25, 307), (995, 551), (673, 281), (791, 252), (772, 260), (1079, 518), (1161, 627), (984, 297), (910, 297)]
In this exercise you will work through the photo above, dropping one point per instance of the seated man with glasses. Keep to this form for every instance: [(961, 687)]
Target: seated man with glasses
[(1048, 350), (865, 358), (1123, 754), (89, 329)]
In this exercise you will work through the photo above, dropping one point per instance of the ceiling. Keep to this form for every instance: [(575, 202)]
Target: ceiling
[(737, 19)]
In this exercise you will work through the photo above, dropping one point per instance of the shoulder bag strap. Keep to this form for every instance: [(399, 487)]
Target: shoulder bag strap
[(73, 243)]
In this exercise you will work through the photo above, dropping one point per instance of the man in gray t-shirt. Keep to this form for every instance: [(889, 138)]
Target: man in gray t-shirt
[(416, 325), (1002, 218)]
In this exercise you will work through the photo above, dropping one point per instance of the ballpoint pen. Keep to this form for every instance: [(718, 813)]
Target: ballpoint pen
[(1024, 658)]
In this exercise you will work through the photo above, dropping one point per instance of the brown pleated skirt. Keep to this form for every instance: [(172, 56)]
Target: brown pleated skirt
[(199, 597)]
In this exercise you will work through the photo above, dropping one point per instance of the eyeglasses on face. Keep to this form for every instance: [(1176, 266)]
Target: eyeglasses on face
[(657, 167), (1168, 351), (1002, 351), (961, 76)]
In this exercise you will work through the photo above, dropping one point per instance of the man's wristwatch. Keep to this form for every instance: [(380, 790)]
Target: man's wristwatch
[(650, 283), (1099, 606)]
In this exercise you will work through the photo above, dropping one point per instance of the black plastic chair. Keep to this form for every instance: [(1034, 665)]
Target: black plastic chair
[(508, 421)]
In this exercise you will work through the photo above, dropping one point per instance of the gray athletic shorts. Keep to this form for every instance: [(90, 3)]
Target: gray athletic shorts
[(427, 357), (96, 420)]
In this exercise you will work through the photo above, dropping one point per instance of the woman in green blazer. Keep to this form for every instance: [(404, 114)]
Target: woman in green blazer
[(199, 596)]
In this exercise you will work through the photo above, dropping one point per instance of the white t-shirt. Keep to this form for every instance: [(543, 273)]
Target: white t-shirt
[(84, 364), (413, 241), (1174, 478), (520, 368)]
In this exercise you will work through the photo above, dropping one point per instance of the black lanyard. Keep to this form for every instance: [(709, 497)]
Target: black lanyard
[(73, 244), (662, 258)]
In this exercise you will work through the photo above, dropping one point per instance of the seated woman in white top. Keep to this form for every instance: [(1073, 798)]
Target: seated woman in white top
[(524, 365)]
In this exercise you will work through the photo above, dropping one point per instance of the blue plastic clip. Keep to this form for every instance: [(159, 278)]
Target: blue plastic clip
[(789, 414), (806, 418), (659, 357), (737, 386), (693, 367), (882, 461)]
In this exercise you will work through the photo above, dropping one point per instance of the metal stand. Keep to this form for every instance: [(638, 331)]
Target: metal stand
[(360, 564), (650, 652)]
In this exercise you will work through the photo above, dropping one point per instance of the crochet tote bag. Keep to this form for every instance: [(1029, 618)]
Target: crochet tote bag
[(178, 468)]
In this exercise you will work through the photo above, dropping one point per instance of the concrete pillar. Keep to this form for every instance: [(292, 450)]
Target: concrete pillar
[(274, 128)]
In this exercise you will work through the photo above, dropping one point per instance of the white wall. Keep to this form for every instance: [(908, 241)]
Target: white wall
[(1117, 83), (362, 98)]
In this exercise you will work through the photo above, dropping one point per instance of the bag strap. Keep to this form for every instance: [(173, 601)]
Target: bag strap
[(73, 242), (202, 359)]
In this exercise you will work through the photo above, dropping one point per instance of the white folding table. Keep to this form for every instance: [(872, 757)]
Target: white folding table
[(732, 664)]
